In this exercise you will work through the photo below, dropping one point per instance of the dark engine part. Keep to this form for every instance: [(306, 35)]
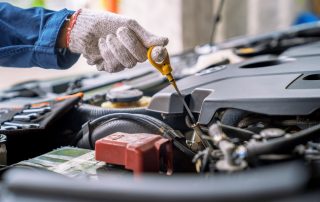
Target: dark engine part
[(266, 184), (254, 85)]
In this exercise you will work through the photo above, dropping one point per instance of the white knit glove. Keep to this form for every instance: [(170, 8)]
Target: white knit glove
[(110, 41)]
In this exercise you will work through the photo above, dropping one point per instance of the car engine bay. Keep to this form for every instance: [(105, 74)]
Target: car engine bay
[(257, 105)]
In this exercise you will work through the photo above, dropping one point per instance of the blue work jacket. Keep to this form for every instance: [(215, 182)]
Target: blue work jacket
[(28, 38)]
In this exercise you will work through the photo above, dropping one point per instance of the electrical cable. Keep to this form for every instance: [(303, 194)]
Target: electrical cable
[(240, 133), (282, 144)]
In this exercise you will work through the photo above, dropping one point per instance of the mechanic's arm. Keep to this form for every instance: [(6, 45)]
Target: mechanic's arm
[(28, 38), (45, 39)]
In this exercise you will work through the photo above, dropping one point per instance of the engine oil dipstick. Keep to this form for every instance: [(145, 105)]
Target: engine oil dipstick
[(164, 67)]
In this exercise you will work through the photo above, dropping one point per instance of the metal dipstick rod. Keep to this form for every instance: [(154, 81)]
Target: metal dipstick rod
[(165, 69), (193, 120)]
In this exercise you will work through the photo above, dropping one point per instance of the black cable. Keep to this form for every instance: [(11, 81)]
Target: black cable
[(240, 133), (283, 144)]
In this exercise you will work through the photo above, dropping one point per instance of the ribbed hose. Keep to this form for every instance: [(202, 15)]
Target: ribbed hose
[(93, 112), (114, 126), (87, 139), (89, 112), (84, 113)]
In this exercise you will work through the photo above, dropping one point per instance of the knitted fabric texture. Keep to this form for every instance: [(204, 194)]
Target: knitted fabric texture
[(111, 42)]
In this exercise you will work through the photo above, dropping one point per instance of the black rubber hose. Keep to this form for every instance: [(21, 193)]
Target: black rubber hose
[(232, 117), (84, 113), (94, 112), (113, 126), (284, 144), (86, 133), (90, 112)]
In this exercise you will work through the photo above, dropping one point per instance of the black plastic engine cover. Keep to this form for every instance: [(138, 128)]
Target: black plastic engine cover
[(284, 85)]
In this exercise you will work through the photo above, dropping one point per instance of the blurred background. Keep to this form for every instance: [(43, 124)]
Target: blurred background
[(187, 23)]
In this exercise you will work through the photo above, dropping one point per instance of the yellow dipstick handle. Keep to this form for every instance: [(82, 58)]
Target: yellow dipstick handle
[(164, 67)]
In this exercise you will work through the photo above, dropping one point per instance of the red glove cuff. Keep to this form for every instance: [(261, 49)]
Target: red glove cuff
[(71, 25)]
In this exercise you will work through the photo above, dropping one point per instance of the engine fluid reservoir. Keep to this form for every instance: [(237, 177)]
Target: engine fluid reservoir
[(132, 98)]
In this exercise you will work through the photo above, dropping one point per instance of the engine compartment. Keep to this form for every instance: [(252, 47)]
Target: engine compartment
[(258, 117)]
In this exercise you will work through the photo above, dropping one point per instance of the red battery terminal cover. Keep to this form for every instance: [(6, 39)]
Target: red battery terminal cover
[(139, 152)]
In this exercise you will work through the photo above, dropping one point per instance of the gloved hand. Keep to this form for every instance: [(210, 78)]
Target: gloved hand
[(111, 42)]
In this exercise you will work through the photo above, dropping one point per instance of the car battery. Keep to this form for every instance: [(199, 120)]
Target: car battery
[(72, 162), (139, 152)]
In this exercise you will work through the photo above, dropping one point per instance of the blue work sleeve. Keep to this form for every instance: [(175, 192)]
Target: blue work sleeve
[(28, 38)]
